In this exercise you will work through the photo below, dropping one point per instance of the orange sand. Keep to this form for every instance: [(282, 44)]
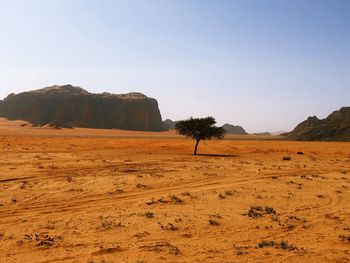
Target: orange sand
[(83, 195)]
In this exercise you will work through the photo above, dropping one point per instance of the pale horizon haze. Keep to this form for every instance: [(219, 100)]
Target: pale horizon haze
[(263, 65)]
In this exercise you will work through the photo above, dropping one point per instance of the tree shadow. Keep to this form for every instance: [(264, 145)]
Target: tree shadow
[(216, 155)]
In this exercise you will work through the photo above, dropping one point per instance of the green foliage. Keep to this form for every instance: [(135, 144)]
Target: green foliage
[(200, 129)]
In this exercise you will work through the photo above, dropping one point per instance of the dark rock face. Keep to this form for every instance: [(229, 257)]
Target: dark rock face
[(232, 129), (168, 124), (336, 127), (73, 106)]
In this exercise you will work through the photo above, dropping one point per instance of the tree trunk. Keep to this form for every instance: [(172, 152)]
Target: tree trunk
[(195, 148)]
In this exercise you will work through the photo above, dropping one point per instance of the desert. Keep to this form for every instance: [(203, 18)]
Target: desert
[(175, 131), (87, 195)]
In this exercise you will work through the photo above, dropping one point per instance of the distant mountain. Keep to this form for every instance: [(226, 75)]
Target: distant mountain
[(278, 132), (335, 127), (262, 133), (234, 129), (168, 124), (72, 106)]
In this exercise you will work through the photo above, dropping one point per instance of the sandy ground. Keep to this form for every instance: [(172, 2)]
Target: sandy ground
[(81, 195)]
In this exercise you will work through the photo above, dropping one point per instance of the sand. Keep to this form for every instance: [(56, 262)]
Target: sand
[(84, 195)]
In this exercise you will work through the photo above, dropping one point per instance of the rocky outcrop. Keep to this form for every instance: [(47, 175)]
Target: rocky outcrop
[(233, 129), (70, 106), (169, 124), (335, 127)]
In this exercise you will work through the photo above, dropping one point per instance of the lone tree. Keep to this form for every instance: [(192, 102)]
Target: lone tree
[(199, 129)]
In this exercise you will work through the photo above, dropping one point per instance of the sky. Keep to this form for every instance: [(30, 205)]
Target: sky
[(263, 64)]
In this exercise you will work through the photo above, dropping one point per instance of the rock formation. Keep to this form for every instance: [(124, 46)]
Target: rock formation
[(70, 106), (233, 129), (335, 127), (168, 124)]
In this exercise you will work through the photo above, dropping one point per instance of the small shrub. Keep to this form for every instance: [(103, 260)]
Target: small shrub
[(109, 223), (344, 238), (171, 227), (259, 211), (213, 222), (290, 227), (240, 252), (69, 179), (263, 244), (284, 245), (255, 211), (43, 240), (270, 210), (176, 199), (286, 158), (149, 214), (281, 245)]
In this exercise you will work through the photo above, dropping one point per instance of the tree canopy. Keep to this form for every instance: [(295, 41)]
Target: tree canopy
[(200, 129)]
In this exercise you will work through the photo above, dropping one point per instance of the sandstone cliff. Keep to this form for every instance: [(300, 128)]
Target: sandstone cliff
[(335, 127), (73, 106)]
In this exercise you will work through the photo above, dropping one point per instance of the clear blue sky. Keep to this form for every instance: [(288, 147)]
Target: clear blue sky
[(265, 65)]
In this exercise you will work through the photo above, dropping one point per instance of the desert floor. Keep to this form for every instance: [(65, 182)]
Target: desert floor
[(85, 195)]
